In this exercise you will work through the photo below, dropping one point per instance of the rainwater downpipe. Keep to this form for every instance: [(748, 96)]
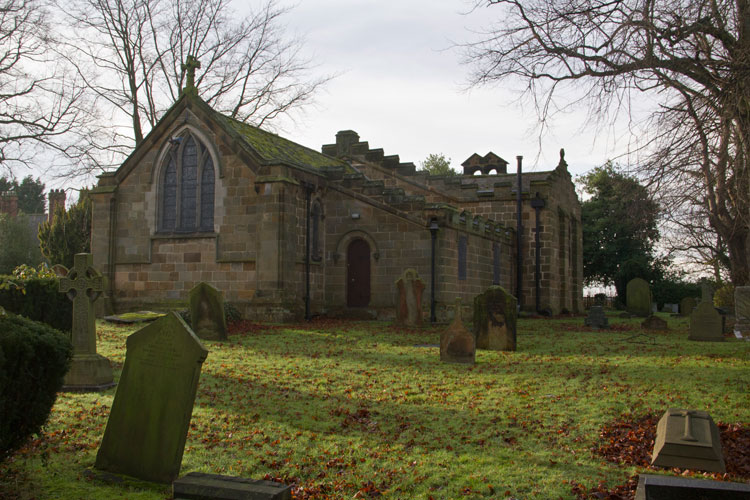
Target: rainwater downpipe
[(308, 192), (537, 204), (433, 235), (519, 234)]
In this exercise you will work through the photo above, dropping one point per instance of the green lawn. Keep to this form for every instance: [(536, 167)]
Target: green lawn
[(350, 409)]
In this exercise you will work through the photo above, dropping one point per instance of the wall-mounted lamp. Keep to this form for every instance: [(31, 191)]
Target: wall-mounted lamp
[(355, 215)]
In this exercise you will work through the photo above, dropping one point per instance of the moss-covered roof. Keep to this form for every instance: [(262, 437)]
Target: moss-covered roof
[(275, 149)]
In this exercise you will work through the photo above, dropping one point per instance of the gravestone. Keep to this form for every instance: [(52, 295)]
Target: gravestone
[(200, 486), (654, 323), (638, 297), (706, 324), (410, 288), (495, 320), (688, 439), (148, 423), (457, 344), (652, 487), (687, 305), (83, 284), (207, 312), (742, 310), (596, 318)]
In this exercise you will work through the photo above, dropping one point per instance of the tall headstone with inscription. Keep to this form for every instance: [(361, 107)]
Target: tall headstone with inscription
[(207, 312), (688, 439), (148, 424), (495, 320), (638, 297), (457, 344), (742, 310), (706, 324), (410, 288), (83, 284)]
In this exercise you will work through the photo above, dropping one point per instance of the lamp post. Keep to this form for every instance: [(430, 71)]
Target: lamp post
[(433, 235)]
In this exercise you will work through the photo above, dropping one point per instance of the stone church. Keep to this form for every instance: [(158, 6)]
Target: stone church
[(287, 232)]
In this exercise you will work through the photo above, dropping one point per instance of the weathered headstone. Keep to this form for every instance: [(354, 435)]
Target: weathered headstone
[(596, 318), (653, 487), (706, 324), (207, 312), (638, 297), (495, 320), (200, 486), (654, 323), (148, 423), (742, 310), (457, 344), (687, 305), (410, 288), (688, 439), (83, 284)]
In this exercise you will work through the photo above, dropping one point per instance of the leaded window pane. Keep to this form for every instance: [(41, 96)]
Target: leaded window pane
[(462, 257), (189, 188), (207, 195), (169, 198)]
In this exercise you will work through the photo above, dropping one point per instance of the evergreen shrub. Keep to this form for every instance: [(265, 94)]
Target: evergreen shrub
[(34, 294), (33, 361)]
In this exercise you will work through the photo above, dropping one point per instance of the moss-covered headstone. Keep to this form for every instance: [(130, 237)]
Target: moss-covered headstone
[(495, 320), (687, 305), (148, 423), (688, 439), (83, 284), (638, 297), (457, 344), (410, 288), (207, 312)]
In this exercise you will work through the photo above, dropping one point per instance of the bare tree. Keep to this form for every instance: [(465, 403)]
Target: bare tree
[(39, 103), (690, 56), (131, 54)]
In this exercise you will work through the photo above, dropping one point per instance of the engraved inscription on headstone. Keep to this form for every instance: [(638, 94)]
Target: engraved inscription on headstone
[(148, 424), (596, 318), (495, 320)]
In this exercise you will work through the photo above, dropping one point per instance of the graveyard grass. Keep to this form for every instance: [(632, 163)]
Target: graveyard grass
[(355, 409)]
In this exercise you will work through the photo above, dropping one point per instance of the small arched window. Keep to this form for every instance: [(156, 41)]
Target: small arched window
[(187, 187)]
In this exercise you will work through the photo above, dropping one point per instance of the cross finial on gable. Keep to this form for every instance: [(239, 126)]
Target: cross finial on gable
[(190, 65)]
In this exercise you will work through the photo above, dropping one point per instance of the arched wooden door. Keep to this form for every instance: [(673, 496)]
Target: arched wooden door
[(358, 274)]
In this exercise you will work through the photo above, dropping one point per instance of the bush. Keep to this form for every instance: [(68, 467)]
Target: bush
[(33, 361), (34, 293), (724, 297)]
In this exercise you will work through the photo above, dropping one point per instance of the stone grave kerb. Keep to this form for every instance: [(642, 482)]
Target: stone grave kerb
[(83, 285)]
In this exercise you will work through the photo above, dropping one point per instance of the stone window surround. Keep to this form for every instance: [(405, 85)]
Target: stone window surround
[(200, 138)]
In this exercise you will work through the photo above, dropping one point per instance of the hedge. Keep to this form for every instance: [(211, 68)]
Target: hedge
[(33, 361), (37, 299)]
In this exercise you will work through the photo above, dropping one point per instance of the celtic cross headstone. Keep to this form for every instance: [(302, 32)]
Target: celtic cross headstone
[(83, 285)]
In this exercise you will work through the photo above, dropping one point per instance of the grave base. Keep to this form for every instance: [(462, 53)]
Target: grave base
[(199, 486), (651, 487), (88, 373)]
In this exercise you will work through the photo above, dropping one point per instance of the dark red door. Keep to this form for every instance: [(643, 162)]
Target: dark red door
[(358, 274)]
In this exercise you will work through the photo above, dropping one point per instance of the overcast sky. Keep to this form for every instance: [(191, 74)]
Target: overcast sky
[(402, 87)]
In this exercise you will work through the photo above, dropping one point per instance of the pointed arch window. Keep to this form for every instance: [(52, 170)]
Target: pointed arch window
[(187, 187)]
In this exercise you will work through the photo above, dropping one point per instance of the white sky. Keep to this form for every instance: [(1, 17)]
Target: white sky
[(402, 87)]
